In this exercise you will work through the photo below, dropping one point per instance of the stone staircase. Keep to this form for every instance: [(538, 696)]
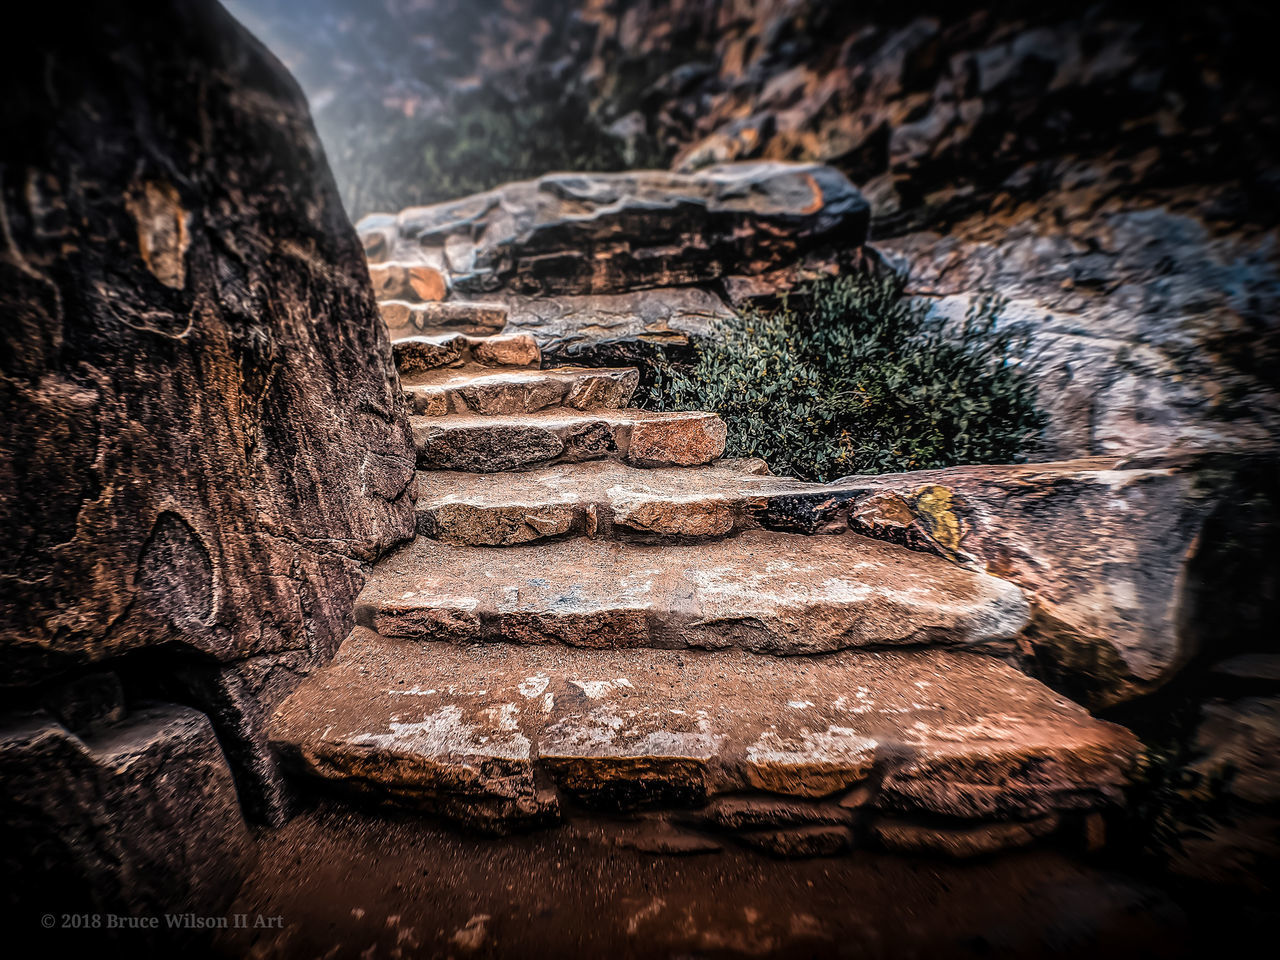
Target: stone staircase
[(595, 616)]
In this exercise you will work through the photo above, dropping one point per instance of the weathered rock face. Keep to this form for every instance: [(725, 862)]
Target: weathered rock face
[(1115, 554), (1148, 327), (612, 233), (202, 434), (137, 816)]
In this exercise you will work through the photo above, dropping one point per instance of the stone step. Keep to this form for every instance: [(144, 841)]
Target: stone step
[(508, 390), (762, 591), (603, 498), (643, 438), (405, 319), (419, 353), (923, 750), (407, 281)]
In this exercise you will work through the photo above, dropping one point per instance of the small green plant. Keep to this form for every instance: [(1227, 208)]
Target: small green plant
[(850, 376)]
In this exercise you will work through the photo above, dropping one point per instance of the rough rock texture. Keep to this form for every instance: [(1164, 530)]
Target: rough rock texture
[(613, 233), (419, 353), (961, 842), (1114, 553), (202, 436), (1149, 327), (479, 390), (641, 437), (760, 591), (619, 328), (136, 816), (406, 319), (425, 723), (603, 498)]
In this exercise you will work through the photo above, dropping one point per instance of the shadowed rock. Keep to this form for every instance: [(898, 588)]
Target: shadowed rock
[(201, 434), (136, 815), (419, 353)]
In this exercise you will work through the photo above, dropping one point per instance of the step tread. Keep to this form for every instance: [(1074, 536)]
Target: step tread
[(568, 416), (597, 496), (406, 318), (763, 591), (432, 351), (933, 732), (496, 442), (500, 390)]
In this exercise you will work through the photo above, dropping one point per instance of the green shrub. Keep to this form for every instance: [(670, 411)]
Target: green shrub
[(852, 377)]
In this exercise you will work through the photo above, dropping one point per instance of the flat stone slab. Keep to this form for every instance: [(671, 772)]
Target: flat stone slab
[(618, 328), (422, 723), (430, 352), (645, 438), (405, 319), (762, 591), (407, 281), (601, 233), (436, 393), (602, 498)]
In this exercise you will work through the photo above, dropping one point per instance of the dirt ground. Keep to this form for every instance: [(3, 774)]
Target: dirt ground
[(337, 883)]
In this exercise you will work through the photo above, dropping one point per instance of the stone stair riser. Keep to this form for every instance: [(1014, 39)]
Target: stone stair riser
[(489, 448)]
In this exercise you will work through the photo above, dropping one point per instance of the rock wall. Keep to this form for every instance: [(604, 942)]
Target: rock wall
[(202, 438)]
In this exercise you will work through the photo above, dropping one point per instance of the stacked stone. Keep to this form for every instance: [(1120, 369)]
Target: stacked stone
[(599, 611)]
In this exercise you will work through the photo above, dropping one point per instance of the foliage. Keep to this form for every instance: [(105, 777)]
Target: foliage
[(853, 377)]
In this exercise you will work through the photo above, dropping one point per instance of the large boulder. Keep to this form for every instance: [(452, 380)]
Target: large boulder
[(602, 233), (202, 436), (1133, 566), (136, 815)]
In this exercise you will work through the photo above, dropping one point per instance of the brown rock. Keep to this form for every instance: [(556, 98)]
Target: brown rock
[(960, 842), (493, 392), (420, 353), (201, 433), (760, 591), (600, 498), (1113, 552), (415, 282), (753, 813), (139, 816), (515, 350), (490, 444), (409, 723), (404, 319), (618, 329)]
